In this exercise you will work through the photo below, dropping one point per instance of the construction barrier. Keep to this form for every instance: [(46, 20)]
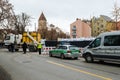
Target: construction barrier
[(45, 50)]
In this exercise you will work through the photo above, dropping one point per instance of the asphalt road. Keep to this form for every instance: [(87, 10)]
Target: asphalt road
[(4, 75), (32, 66)]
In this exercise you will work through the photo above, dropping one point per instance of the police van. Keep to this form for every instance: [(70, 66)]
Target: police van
[(106, 47)]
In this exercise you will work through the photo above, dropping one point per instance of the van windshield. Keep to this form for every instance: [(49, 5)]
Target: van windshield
[(95, 43)]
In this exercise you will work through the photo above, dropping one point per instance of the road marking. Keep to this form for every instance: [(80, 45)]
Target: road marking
[(78, 70)]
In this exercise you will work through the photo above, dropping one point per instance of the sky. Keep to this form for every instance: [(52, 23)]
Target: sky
[(62, 13)]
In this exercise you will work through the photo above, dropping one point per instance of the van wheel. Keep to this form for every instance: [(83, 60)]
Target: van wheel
[(88, 58)]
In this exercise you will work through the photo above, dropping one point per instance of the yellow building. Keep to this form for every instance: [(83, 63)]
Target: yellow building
[(110, 26), (101, 24)]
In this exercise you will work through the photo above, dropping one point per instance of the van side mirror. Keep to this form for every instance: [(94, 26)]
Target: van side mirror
[(91, 46)]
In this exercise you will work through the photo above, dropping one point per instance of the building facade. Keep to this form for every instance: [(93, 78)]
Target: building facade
[(101, 24), (79, 29), (118, 25)]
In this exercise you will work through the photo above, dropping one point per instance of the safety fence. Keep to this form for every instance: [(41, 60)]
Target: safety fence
[(45, 50)]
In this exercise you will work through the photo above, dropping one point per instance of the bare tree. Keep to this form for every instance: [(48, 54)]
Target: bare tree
[(5, 8), (6, 13), (54, 35), (6, 16), (21, 21), (116, 14)]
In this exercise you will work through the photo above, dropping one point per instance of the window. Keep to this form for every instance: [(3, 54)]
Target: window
[(101, 26), (59, 47), (98, 23), (74, 28), (62, 47), (98, 28), (73, 48), (113, 40), (74, 32), (96, 42), (74, 36), (7, 38)]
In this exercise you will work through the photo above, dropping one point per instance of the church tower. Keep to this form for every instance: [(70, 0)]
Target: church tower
[(42, 26), (42, 22)]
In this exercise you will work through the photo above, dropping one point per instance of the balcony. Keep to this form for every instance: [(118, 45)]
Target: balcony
[(74, 34), (73, 29)]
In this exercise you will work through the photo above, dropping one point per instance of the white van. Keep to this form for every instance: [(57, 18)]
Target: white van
[(106, 47)]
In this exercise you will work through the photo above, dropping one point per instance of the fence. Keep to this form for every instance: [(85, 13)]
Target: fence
[(45, 50)]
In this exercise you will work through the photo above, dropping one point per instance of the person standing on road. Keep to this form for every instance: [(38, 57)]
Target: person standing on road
[(39, 48), (24, 46), (12, 47)]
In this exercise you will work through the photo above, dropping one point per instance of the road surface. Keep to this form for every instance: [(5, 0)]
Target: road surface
[(32, 66)]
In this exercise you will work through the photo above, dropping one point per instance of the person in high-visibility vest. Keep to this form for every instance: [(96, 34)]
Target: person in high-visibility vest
[(39, 48)]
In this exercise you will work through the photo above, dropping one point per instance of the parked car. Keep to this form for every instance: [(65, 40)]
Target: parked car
[(106, 47), (65, 51)]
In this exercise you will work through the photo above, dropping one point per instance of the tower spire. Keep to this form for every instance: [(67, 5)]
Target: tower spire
[(42, 17)]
